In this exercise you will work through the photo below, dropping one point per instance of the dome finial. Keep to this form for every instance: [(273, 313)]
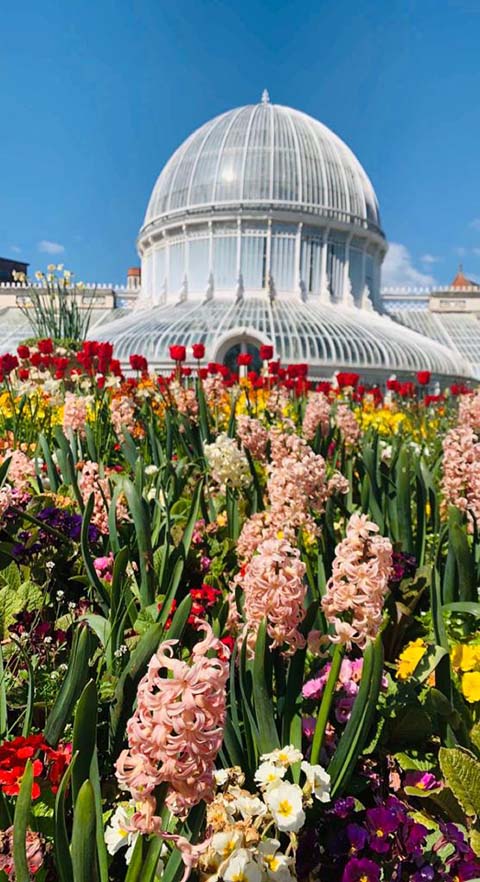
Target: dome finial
[(265, 97)]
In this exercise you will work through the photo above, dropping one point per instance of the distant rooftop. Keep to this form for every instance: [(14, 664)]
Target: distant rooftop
[(461, 281)]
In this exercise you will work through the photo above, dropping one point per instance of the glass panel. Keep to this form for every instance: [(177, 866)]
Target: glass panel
[(177, 267), (283, 262), (198, 269), (256, 184), (254, 258), (285, 170), (228, 186), (225, 270)]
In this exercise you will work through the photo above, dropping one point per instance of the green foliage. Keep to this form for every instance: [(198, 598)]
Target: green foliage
[(461, 771)]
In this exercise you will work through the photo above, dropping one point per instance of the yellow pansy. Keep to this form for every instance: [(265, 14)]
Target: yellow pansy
[(409, 659), (471, 686), (465, 657)]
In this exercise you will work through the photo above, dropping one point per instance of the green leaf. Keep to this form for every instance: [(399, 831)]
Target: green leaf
[(16, 598), (20, 825), (3, 698), (268, 738), (75, 679), (355, 734), (63, 860), (461, 771), (83, 850), (84, 736), (97, 584)]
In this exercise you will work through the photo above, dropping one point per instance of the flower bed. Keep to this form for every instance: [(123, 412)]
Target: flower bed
[(239, 623)]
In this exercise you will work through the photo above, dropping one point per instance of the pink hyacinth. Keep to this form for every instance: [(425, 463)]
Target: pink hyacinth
[(469, 411), (89, 482), (74, 413), (122, 414), (348, 425), (461, 471), (357, 588), (34, 850), (253, 436), (177, 730), (317, 415), (20, 470), (274, 588), (186, 400)]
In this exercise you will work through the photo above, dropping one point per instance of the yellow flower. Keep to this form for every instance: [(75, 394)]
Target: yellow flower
[(409, 659), (471, 686), (465, 657), (222, 519)]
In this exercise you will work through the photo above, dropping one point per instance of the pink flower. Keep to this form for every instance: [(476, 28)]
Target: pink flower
[(104, 567), (461, 468), (34, 849), (122, 414), (274, 588), (74, 413), (177, 729), (253, 436), (357, 588), (20, 470), (317, 415), (348, 425)]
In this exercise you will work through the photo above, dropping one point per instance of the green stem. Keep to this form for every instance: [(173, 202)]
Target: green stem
[(326, 703)]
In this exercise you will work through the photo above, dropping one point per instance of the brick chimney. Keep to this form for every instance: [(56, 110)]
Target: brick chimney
[(134, 278)]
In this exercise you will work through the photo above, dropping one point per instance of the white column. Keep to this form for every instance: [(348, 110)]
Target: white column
[(210, 247), (239, 245), (167, 267), (186, 252), (268, 261), (323, 260), (298, 257)]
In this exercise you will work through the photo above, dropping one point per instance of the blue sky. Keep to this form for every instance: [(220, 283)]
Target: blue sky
[(96, 94)]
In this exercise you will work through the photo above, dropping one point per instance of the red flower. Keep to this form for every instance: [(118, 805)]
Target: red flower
[(406, 390), (23, 374), (8, 363), (23, 351), (324, 387), (203, 373), (423, 377), (138, 363), (186, 372), (274, 367), (392, 385), (212, 367), (345, 379), (45, 346), (244, 359), (178, 353), (198, 350), (266, 352), (36, 359)]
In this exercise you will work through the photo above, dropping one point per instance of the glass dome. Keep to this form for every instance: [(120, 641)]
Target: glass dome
[(266, 154)]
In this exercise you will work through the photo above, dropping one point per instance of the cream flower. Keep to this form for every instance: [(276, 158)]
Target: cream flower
[(224, 844), (318, 781), (284, 756), (277, 866), (242, 868), (268, 773), (249, 806), (117, 835), (285, 803)]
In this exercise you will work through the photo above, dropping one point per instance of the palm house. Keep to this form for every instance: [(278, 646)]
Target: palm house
[(263, 228)]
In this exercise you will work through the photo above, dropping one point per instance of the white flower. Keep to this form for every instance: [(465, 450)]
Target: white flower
[(318, 781), (227, 463), (224, 844), (284, 756), (277, 865), (221, 777), (249, 806), (151, 469), (285, 803), (116, 834), (268, 773), (242, 868)]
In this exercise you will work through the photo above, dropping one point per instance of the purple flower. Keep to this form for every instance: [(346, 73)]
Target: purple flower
[(343, 807), (422, 780), (357, 837), (381, 823), (414, 836), (425, 874), (468, 870), (314, 688), (308, 727), (361, 870), (452, 834)]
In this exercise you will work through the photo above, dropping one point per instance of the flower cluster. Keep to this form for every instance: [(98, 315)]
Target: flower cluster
[(356, 590), (248, 828), (176, 731), (48, 763), (227, 463), (461, 471)]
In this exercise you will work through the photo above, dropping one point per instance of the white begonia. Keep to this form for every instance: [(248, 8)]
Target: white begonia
[(284, 756), (249, 806), (277, 866), (242, 868), (116, 834), (318, 781), (268, 773), (225, 844), (221, 777), (285, 803), (227, 463)]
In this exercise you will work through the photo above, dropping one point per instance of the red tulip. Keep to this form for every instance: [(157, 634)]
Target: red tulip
[(178, 353), (244, 359), (23, 351), (423, 377), (393, 385), (266, 352), (138, 363), (45, 346), (198, 350), (346, 379)]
